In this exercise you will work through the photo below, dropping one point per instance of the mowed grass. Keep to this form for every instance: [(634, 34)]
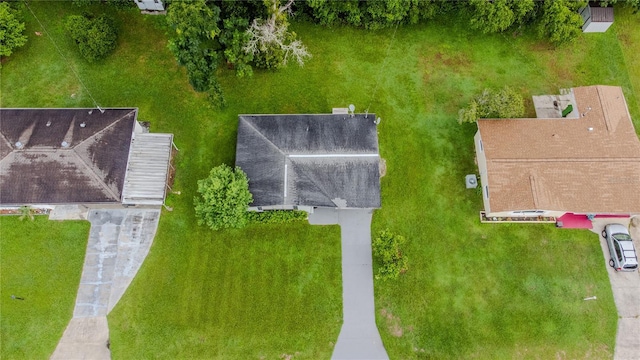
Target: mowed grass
[(41, 262), (472, 290)]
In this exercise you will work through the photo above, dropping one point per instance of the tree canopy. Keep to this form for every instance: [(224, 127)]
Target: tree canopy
[(11, 30), (386, 248), (223, 198), (505, 103), (96, 36)]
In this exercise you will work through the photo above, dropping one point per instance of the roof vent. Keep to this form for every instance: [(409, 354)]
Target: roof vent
[(471, 181), (83, 124), (19, 145), (65, 144), (48, 123)]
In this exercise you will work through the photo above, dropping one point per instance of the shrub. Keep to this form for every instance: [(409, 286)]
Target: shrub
[(386, 248), (506, 103), (11, 30), (96, 37), (223, 198), (216, 96), (276, 216)]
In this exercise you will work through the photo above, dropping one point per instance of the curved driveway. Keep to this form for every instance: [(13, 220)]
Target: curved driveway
[(359, 337)]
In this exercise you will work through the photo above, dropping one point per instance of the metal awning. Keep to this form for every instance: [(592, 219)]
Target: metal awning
[(147, 170)]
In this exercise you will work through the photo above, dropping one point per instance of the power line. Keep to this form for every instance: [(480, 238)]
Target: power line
[(64, 57), (384, 63)]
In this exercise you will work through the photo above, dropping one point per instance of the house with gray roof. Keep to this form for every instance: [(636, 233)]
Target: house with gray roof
[(51, 157), (309, 161)]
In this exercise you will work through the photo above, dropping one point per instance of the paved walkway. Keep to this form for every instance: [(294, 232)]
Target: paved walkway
[(359, 337), (119, 241), (626, 295)]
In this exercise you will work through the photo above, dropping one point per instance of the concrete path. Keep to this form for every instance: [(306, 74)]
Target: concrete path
[(119, 241), (359, 337), (626, 295)]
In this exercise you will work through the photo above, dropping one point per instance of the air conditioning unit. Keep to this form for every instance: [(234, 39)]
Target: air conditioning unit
[(471, 181)]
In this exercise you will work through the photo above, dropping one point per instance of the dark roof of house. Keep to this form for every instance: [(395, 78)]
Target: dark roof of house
[(54, 156), (312, 160), (588, 164)]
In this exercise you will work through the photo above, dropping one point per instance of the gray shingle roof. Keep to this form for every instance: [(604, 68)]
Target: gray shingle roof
[(311, 160)]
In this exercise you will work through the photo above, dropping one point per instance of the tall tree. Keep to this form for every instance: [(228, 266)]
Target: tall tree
[(96, 36), (271, 42), (560, 21), (196, 27), (492, 16), (11, 30)]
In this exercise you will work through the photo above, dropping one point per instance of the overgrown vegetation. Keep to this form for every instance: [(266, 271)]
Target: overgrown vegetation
[(223, 198), (95, 36), (11, 29), (26, 212), (387, 249), (504, 103)]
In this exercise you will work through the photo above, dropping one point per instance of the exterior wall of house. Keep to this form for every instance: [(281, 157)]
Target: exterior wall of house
[(308, 209), (482, 168), (591, 26), (526, 213), (150, 5)]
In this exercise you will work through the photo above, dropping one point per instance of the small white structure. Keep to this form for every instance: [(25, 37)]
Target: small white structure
[(596, 18), (150, 5)]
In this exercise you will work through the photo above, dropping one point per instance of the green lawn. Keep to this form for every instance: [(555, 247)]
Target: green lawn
[(472, 290), (41, 262)]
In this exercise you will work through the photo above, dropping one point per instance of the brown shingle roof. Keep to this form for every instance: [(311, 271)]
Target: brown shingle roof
[(36, 168), (601, 14), (589, 164)]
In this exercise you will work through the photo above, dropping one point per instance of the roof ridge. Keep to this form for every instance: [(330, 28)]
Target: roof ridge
[(105, 128), (262, 135), (605, 113), (3, 138), (301, 172), (594, 159), (95, 176), (90, 168)]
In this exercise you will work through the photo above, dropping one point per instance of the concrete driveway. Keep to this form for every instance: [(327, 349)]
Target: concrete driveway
[(359, 337), (119, 241), (626, 295)]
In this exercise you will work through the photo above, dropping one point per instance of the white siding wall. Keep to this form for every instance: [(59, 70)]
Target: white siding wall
[(151, 5), (482, 167)]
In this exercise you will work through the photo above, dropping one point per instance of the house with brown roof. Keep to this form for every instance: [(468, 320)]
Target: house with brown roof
[(585, 165), (91, 157)]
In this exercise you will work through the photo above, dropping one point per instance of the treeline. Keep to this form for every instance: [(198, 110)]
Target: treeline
[(254, 33)]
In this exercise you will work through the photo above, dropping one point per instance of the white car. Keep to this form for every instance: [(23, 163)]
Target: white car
[(623, 253)]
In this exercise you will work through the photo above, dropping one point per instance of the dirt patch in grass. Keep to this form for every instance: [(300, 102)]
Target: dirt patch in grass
[(442, 61), (393, 323), (383, 167)]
